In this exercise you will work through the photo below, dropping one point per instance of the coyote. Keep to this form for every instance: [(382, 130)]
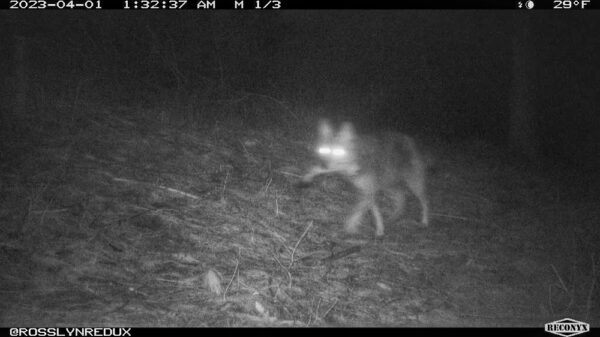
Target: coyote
[(387, 162)]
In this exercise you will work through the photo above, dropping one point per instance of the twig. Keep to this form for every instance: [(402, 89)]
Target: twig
[(170, 189), (33, 199), (178, 192), (317, 309), (316, 313), (563, 286), (268, 184), (44, 212), (331, 307), (235, 271), (224, 186), (286, 270), (404, 255), (248, 155), (454, 217), (298, 243), (288, 173)]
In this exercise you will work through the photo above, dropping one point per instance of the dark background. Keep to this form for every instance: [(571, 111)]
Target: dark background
[(448, 74)]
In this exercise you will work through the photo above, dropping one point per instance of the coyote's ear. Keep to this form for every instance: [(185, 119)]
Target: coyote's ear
[(347, 132), (325, 131)]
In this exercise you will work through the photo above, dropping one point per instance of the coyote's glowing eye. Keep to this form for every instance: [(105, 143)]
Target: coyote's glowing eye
[(324, 150), (338, 152)]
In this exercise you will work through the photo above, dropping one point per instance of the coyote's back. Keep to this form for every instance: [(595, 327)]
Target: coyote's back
[(387, 162)]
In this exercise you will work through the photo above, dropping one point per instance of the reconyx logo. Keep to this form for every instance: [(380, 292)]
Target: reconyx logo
[(567, 327)]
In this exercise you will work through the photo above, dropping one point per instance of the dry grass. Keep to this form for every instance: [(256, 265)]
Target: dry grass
[(112, 219)]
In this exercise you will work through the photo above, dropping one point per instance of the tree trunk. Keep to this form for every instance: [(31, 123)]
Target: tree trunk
[(522, 124), (20, 76)]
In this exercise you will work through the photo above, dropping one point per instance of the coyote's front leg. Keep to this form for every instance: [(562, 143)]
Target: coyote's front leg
[(308, 178)]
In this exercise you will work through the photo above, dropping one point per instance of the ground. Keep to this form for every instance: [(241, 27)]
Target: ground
[(116, 219)]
